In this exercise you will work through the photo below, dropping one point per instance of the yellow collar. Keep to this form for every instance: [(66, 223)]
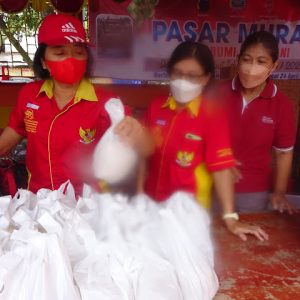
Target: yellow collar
[(192, 106), (85, 90)]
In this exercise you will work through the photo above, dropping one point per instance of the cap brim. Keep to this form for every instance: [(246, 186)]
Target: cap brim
[(65, 40)]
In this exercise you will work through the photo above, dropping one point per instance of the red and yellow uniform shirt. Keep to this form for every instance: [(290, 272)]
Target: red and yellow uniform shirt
[(190, 143), (265, 123), (60, 141)]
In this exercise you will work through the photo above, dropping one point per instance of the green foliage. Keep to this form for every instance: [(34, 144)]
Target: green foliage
[(24, 23)]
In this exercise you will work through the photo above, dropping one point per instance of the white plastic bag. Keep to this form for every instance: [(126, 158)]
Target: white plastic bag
[(36, 267), (179, 233), (152, 277), (113, 160), (101, 275), (194, 219), (4, 215)]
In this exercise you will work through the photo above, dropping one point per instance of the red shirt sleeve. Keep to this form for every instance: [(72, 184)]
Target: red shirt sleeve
[(218, 151), (285, 131)]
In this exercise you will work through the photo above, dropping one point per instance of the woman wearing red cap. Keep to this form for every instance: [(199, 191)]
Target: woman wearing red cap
[(62, 115)]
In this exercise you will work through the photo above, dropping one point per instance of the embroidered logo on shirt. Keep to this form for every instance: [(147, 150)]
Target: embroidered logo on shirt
[(29, 114), (161, 122), (30, 123), (267, 120), (33, 106), (224, 152), (184, 158), (87, 135), (194, 137)]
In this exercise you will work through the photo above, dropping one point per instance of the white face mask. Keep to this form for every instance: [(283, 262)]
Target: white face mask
[(254, 75), (184, 91)]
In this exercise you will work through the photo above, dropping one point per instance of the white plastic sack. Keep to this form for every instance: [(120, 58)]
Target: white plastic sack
[(26, 208), (36, 267), (101, 275), (79, 239), (113, 160), (4, 215), (152, 277), (195, 221), (172, 234), (196, 275)]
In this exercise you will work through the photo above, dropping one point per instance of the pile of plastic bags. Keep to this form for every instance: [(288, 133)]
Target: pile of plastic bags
[(105, 247)]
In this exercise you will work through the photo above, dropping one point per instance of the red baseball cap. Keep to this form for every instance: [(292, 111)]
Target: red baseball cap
[(61, 29)]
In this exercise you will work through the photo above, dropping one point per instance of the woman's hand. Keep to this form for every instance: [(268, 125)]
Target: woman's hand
[(135, 135), (8, 139), (242, 229), (224, 187), (280, 203), (236, 174), (129, 130)]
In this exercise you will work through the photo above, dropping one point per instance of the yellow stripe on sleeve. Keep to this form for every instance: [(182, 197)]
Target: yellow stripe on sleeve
[(204, 184)]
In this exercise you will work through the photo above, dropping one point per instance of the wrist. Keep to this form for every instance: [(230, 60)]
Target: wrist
[(230, 216), (279, 193), (230, 223)]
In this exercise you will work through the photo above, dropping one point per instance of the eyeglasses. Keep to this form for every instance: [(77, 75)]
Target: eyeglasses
[(189, 77)]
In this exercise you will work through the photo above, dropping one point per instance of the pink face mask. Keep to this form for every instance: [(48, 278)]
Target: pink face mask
[(253, 75)]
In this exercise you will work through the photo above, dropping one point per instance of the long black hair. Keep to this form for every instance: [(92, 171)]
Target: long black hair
[(38, 69)]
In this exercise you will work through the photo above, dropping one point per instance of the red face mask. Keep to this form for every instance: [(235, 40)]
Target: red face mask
[(69, 70)]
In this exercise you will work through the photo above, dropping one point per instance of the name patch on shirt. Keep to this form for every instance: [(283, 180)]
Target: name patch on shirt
[(33, 106), (267, 120), (161, 122), (194, 137)]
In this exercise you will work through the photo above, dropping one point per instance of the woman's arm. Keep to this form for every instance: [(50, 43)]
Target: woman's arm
[(8, 139), (283, 165), (223, 182)]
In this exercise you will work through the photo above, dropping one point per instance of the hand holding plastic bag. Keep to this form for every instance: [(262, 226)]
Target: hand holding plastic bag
[(113, 159)]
